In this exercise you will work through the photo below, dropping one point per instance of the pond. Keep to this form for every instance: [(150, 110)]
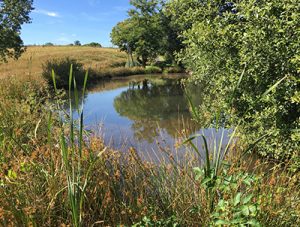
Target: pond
[(144, 112)]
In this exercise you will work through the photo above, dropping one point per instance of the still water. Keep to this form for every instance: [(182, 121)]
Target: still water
[(143, 112)]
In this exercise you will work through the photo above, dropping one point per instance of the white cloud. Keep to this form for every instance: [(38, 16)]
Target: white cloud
[(46, 12)]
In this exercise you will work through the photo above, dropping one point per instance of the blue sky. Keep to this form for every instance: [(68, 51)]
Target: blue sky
[(64, 21)]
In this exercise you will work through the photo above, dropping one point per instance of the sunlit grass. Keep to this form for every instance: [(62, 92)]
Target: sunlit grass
[(49, 177), (30, 63)]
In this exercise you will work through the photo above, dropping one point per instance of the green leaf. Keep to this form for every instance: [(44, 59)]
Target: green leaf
[(253, 223), (273, 87), (222, 222), (205, 181), (237, 199), (252, 209), (247, 199), (199, 172), (245, 210), (54, 80)]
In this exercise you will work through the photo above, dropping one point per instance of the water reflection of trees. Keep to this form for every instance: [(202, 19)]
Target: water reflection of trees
[(154, 105)]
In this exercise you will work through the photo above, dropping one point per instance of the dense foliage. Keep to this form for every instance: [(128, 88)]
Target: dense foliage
[(93, 44), (140, 33), (13, 13), (61, 69), (147, 33), (77, 43), (257, 42)]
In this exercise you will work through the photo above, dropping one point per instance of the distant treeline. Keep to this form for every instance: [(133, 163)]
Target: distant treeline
[(76, 43)]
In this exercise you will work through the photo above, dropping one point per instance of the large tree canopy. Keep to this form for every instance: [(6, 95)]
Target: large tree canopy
[(148, 32), (141, 33), (13, 13)]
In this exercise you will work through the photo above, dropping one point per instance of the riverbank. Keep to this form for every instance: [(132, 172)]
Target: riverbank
[(114, 188)]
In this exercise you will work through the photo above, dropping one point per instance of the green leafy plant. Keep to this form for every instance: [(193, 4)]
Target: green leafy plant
[(147, 222), (259, 38)]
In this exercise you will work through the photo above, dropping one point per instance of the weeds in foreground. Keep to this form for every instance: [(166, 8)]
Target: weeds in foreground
[(98, 186)]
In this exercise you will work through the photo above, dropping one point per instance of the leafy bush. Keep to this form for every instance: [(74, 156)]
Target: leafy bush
[(153, 69), (235, 205), (173, 69), (93, 44), (48, 44), (256, 42), (61, 68)]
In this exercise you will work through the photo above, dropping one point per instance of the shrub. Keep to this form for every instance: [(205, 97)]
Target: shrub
[(61, 67), (48, 44), (93, 44), (260, 41), (152, 69), (174, 69)]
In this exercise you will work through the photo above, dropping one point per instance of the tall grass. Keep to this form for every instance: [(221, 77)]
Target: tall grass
[(71, 146), (53, 173)]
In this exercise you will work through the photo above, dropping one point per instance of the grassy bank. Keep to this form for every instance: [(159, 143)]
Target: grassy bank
[(30, 63), (90, 184), (103, 63)]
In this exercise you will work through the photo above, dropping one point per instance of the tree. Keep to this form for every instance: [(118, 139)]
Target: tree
[(93, 44), (123, 35), (172, 42), (48, 44), (13, 13), (146, 16), (141, 33), (260, 41), (77, 43)]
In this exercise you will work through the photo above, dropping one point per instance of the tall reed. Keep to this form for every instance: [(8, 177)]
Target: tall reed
[(71, 145)]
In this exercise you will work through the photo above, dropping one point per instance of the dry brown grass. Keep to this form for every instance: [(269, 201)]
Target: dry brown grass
[(30, 63)]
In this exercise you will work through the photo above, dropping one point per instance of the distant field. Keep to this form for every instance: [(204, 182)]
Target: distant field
[(31, 61)]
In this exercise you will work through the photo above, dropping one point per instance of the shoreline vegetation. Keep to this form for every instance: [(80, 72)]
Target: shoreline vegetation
[(87, 183)]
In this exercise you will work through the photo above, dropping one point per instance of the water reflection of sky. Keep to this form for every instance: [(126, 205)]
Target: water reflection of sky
[(143, 118)]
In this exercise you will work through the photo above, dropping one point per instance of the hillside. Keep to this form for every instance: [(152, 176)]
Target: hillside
[(30, 63)]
